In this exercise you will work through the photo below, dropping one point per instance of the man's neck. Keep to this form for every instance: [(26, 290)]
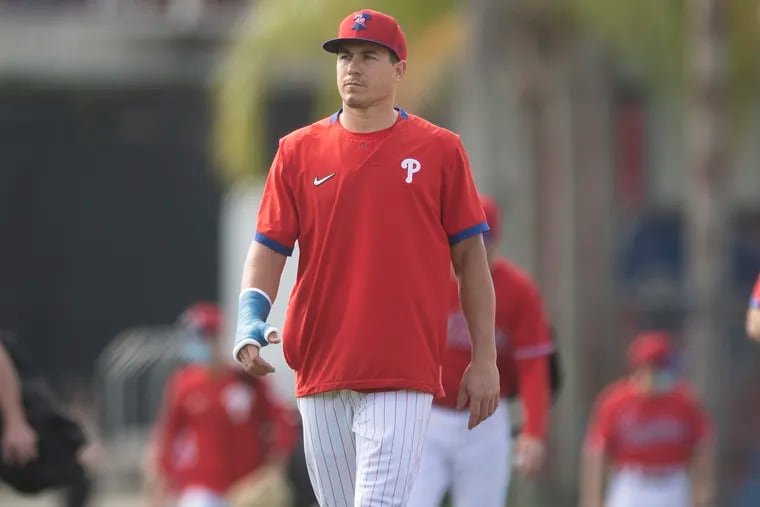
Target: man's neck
[(371, 119), (216, 368)]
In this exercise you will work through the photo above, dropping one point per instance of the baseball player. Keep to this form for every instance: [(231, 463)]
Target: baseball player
[(651, 433), (475, 464), (43, 445), (219, 426), (381, 203), (753, 312)]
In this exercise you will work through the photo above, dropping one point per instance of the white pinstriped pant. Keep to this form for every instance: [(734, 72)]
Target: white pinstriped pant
[(473, 464), (631, 488), (364, 449)]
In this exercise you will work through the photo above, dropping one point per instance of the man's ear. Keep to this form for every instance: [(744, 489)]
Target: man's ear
[(400, 69)]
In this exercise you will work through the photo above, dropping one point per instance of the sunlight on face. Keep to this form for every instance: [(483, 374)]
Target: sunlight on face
[(366, 74)]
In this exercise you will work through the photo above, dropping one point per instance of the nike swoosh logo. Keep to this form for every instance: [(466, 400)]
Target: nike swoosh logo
[(319, 181)]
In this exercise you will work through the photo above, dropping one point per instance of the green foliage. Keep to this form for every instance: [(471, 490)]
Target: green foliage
[(652, 37), (281, 35), (648, 34), (743, 49)]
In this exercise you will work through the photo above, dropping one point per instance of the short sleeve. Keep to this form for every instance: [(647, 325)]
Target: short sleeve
[(599, 435), (462, 213), (277, 226), (754, 300)]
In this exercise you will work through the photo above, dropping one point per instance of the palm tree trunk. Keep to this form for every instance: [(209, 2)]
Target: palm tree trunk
[(706, 207)]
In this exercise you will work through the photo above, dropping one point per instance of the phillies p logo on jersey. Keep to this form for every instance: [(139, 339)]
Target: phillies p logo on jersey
[(412, 166)]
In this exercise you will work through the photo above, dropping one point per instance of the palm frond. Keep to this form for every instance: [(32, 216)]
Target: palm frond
[(280, 37)]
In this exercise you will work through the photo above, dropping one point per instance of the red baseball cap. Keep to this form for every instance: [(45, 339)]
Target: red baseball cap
[(493, 217), (650, 348), (371, 26), (204, 318)]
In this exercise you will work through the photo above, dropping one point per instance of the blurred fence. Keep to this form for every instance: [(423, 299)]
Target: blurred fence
[(130, 378)]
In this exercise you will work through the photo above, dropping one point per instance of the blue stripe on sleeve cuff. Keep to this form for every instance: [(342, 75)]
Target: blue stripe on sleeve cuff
[(274, 245), (468, 233), (754, 303)]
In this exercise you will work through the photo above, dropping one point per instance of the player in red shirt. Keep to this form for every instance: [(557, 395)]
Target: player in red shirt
[(753, 312), (651, 432), (381, 203), (219, 425), (476, 464)]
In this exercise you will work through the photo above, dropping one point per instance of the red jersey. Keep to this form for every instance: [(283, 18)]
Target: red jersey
[(522, 345), (647, 431), (754, 300), (218, 427), (375, 216)]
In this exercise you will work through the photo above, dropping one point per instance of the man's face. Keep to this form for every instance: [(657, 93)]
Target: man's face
[(366, 74), (653, 380)]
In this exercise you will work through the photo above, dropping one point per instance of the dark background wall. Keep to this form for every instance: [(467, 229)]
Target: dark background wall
[(108, 216)]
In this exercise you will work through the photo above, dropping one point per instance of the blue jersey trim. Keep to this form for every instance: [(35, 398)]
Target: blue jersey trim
[(401, 113), (754, 303), (274, 245), (468, 233)]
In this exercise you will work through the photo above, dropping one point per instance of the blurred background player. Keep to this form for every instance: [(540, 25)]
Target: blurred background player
[(43, 445), (651, 433), (19, 440), (219, 427), (475, 464), (753, 312)]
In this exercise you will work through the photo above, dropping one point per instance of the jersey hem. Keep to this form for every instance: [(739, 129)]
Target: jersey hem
[(534, 433), (213, 489), (352, 385)]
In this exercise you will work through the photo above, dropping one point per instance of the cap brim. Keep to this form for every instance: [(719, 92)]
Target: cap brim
[(333, 45)]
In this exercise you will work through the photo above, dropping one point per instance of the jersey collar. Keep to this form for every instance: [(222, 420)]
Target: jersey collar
[(401, 113)]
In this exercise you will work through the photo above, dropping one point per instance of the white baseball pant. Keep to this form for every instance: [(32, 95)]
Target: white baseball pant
[(364, 449), (473, 464), (632, 488), (201, 497)]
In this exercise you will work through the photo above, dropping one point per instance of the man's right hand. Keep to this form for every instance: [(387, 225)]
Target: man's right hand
[(252, 361), (479, 387), (19, 444)]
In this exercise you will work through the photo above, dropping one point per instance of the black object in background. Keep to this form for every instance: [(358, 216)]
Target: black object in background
[(59, 437), (109, 214)]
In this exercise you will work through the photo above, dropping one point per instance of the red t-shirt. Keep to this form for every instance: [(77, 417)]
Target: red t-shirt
[(217, 428), (647, 431), (522, 341), (754, 300), (375, 216)]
